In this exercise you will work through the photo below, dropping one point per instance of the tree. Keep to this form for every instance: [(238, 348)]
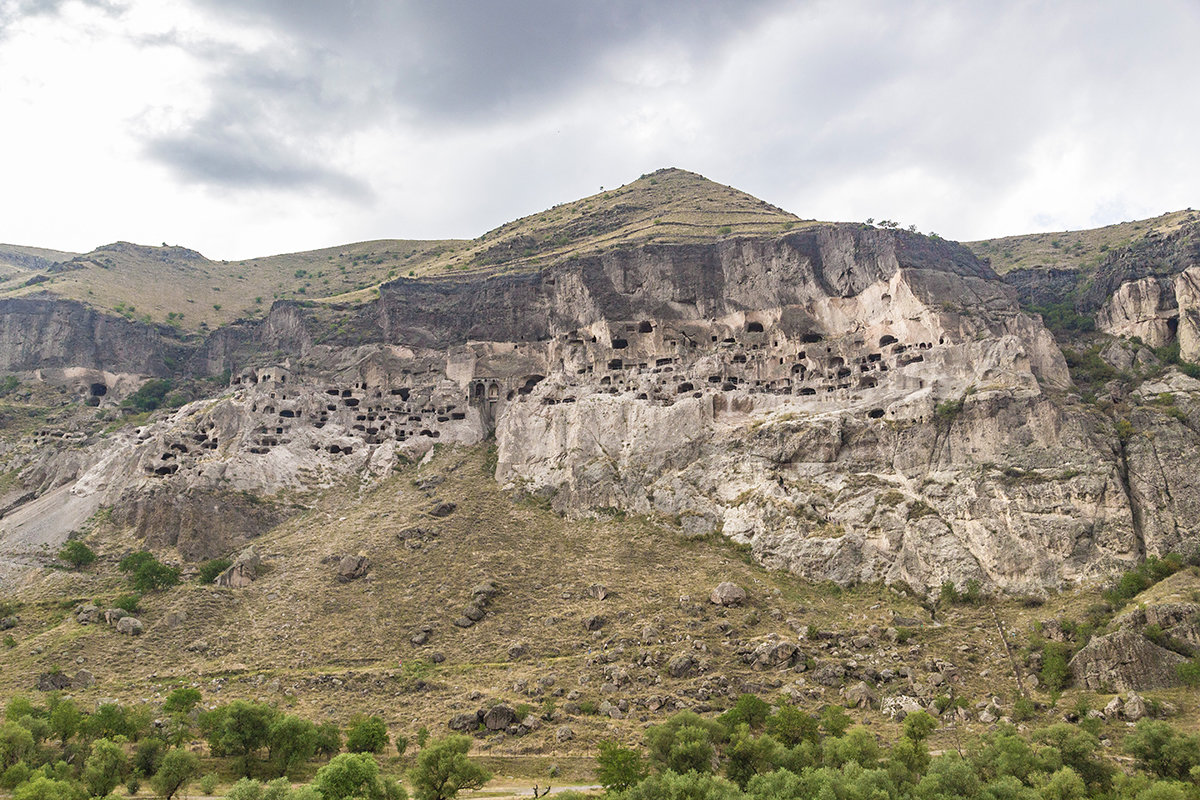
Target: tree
[(749, 709), (239, 729), (16, 744), (685, 742), (291, 741), (177, 770), (790, 726), (44, 788), (104, 768), (329, 739), (355, 775), (181, 700), (443, 770), (65, 719), (77, 554), (1163, 750), (367, 735), (146, 573), (618, 768)]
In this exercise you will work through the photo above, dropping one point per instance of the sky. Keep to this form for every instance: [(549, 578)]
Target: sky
[(249, 127)]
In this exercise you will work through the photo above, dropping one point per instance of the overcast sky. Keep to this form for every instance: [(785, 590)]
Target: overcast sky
[(250, 127)]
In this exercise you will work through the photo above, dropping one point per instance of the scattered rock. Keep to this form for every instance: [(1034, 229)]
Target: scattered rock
[(474, 613), (53, 682), (564, 734), (681, 666), (650, 634), (774, 655), (593, 623), (598, 591), (1114, 708), (464, 722), (437, 657), (443, 509), (130, 626), (114, 615), (352, 567), (900, 706), (83, 679), (421, 635), (1135, 707), (84, 614), (860, 695), (728, 594), (464, 622), (830, 673), (499, 717), (517, 649), (243, 571)]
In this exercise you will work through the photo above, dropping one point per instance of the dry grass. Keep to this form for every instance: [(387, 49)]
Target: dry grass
[(180, 287), (300, 639), (1072, 250)]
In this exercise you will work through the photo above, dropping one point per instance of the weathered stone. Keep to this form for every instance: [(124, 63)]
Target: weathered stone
[(352, 567), (130, 626), (83, 679), (681, 666), (114, 615), (860, 695), (1135, 707), (243, 571), (598, 591), (499, 717), (728, 594), (564, 734), (899, 706), (474, 613), (53, 682), (1123, 661), (443, 509), (84, 615), (464, 722), (774, 655), (593, 623), (1114, 708)]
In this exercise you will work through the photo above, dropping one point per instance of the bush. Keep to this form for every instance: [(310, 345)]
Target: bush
[(128, 602), (367, 735), (355, 775), (146, 573), (149, 396), (209, 570), (1161, 749), (748, 710), (329, 739), (208, 784), (76, 554), (177, 770), (443, 770), (1055, 671), (619, 768)]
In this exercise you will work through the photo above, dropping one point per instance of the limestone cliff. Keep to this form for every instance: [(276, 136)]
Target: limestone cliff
[(854, 404)]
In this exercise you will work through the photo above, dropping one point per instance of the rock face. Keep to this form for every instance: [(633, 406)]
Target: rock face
[(1124, 661), (243, 571), (851, 404)]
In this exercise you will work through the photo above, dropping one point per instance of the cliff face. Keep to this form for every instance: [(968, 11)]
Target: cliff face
[(854, 404)]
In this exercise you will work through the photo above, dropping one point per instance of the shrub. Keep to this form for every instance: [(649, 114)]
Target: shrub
[(76, 554), (208, 784), (128, 602), (619, 768), (149, 396), (443, 770), (724, 230), (367, 735), (177, 770), (209, 570), (748, 710), (1055, 672), (146, 573)]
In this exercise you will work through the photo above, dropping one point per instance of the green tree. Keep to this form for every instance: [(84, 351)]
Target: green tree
[(1163, 750), (107, 722), (181, 700), (105, 767), (749, 710), (367, 735), (355, 775), (329, 739), (76, 554), (685, 742), (177, 770), (148, 755), (618, 768), (689, 786), (790, 726), (291, 741), (750, 755), (834, 720), (65, 719), (443, 770), (16, 744), (44, 788), (239, 729)]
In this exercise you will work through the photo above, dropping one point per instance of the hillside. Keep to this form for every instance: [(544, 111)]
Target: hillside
[(181, 288), (1074, 250)]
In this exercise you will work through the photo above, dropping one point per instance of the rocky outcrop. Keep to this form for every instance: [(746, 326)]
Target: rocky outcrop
[(243, 571), (852, 404), (1124, 661)]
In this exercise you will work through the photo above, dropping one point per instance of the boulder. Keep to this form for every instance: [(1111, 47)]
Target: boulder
[(474, 613), (1114, 708), (728, 594), (464, 722), (900, 706), (114, 615), (1125, 661), (774, 655), (564, 734), (860, 695), (1135, 707), (243, 571), (352, 567), (499, 717), (681, 666), (593, 623), (83, 679), (84, 614), (130, 626), (53, 682), (443, 509), (598, 591)]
